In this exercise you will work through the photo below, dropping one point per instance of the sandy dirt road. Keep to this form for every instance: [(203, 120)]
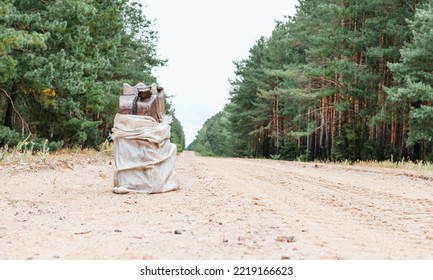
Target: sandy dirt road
[(225, 209)]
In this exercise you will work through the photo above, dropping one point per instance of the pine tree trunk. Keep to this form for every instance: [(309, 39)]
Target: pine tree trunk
[(276, 127)]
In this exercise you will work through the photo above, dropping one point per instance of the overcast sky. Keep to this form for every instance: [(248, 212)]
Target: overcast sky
[(201, 39)]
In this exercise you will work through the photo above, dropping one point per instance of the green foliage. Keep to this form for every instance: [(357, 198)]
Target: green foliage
[(341, 80), (289, 151), (12, 139), (414, 76), (213, 138), (9, 137), (345, 146), (62, 63), (177, 135)]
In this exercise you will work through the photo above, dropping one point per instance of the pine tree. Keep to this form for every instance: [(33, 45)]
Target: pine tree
[(317, 88), (65, 60), (415, 81), (247, 126), (15, 39), (213, 138)]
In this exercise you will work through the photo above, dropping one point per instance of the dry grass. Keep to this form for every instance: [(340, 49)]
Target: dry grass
[(406, 165), (19, 156), (15, 156)]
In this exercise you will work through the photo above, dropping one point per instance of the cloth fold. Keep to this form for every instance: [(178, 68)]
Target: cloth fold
[(143, 155)]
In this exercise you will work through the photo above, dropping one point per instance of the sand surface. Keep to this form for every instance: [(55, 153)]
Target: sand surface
[(225, 209)]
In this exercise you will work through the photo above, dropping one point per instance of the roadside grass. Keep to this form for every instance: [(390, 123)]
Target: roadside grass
[(406, 165), (403, 164), (19, 155)]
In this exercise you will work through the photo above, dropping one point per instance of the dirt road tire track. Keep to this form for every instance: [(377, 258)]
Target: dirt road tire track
[(225, 209)]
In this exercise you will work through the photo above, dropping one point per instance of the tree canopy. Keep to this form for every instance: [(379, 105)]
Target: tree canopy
[(341, 80), (63, 62)]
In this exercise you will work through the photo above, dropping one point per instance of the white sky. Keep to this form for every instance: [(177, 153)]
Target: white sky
[(201, 39)]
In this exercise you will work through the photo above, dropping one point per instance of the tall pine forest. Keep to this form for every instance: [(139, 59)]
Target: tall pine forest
[(340, 80), (62, 66)]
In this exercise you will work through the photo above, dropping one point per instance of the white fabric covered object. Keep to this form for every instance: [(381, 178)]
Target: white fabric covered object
[(143, 155)]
